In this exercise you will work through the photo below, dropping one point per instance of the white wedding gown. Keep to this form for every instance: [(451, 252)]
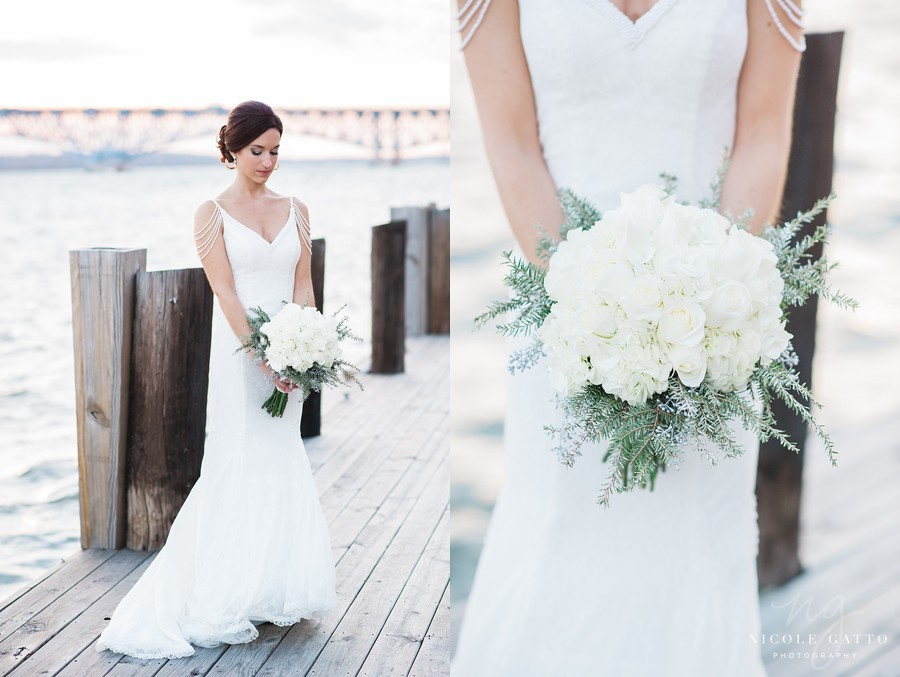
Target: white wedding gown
[(250, 543), (663, 583)]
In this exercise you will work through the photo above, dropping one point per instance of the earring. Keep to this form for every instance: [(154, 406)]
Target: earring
[(232, 164), (276, 166)]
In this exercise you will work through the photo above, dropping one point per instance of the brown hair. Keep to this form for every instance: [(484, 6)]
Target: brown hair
[(246, 122)]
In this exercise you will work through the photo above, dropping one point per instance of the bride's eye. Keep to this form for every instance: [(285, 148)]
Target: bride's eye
[(256, 152)]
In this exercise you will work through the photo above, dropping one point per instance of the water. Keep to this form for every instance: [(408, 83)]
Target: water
[(46, 213)]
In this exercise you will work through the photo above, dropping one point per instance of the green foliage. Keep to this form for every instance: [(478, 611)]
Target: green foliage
[(579, 213), (529, 303)]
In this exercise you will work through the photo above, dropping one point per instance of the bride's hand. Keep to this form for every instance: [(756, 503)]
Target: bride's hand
[(283, 386)]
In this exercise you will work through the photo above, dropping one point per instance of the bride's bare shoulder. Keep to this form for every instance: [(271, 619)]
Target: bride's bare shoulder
[(488, 19), (205, 211)]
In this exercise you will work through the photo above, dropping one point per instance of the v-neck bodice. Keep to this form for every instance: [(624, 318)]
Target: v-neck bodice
[(619, 102), (254, 232), (263, 271)]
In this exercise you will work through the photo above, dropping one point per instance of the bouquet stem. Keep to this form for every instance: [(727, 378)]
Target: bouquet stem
[(276, 403)]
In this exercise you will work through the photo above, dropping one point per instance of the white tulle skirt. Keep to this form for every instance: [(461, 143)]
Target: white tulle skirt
[(250, 543)]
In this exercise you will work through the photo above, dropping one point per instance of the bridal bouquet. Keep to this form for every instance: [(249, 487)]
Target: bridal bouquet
[(303, 347), (660, 321)]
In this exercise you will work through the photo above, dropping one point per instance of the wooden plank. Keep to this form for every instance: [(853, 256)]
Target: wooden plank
[(432, 659), (779, 476), (71, 651), (855, 581), (27, 639), (167, 412), (399, 641), (354, 518), (439, 272), (246, 659), (371, 446), (840, 538), (302, 644), (398, 390), (415, 293), (19, 610), (359, 628), (383, 422), (129, 666), (102, 314), (388, 284)]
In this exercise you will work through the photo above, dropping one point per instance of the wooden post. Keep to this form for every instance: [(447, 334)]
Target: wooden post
[(102, 313), (439, 271), (311, 418), (388, 307), (780, 474), (167, 414), (416, 293)]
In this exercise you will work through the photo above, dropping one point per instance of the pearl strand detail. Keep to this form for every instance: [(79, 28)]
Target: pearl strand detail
[(795, 14), (464, 16)]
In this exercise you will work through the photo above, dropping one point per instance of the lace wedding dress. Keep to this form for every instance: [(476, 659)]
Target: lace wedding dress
[(662, 583), (250, 543)]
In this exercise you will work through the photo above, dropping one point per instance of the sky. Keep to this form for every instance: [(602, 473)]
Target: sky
[(193, 53)]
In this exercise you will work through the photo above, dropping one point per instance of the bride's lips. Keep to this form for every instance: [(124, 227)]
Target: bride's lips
[(264, 173)]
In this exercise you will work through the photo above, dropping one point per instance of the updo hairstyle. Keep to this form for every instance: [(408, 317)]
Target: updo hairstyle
[(246, 121)]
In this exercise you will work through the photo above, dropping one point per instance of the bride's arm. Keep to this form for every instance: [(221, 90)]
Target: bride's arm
[(765, 104), (502, 86), (303, 287), (217, 267), (218, 271)]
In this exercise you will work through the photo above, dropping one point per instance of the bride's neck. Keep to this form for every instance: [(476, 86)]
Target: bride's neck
[(245, 187)]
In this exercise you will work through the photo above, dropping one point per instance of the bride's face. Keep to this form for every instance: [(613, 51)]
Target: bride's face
[(257, 161)]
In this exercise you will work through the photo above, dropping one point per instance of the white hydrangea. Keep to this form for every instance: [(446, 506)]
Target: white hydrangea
[(300, 337), (657, 287)]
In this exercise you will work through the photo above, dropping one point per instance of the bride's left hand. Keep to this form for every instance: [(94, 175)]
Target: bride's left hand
[(283, 386)]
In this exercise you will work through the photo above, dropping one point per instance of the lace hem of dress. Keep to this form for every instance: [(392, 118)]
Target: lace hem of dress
[(240, 632)]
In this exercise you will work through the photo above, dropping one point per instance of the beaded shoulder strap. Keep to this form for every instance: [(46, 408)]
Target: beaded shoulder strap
[(795, 15), (206, 237), (473, 9), (302, 226)]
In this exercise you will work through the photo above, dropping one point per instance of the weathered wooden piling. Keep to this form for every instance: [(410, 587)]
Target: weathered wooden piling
[(780, 474), (102, 303), (167, 404), (388, 297), (438, 271), (311, 418), (427, 269), (416, 267)]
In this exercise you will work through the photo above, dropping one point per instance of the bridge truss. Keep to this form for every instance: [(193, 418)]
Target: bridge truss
[(115, 136)]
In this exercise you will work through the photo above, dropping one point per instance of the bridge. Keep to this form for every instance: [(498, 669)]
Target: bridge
[(117, 135)]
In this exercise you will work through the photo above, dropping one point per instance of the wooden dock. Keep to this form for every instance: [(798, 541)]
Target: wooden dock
[(381, 468), (845, 606)]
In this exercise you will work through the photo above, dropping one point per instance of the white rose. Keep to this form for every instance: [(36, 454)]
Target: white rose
[(729, 307), (644, 299), (689, 364), (682, 323)]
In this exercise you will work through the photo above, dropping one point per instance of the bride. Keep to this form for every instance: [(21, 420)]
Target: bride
[(250, 544), (601, 96)]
